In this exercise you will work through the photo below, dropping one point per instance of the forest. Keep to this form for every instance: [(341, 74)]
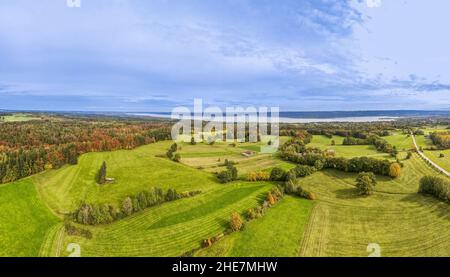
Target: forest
[(32, 146)]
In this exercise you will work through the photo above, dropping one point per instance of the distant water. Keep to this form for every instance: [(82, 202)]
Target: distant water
[(335, 116)]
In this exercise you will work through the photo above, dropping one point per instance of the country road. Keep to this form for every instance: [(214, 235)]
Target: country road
[(440, 169)]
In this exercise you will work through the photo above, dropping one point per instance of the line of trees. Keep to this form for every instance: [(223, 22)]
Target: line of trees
[(441, 139), (436, 187), (94, 214), (380, 144)]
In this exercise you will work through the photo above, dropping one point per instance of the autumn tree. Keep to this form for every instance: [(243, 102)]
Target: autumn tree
[(236, 222), (394, 170)]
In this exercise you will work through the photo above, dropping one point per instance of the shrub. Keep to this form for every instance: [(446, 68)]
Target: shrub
[(304, 170), (258, 176), (225, 176), (394, 170), (252, 214), (277, 174), (290, 187), (228, 175), (236, 222), (409, 155), (365, 183), (75, 231), (435, 186), (318, 165), (270, 198)]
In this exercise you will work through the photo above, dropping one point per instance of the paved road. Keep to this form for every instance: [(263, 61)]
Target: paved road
[(427, 159)]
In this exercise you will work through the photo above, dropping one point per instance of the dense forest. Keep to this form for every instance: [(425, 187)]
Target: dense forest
[(30, 147)]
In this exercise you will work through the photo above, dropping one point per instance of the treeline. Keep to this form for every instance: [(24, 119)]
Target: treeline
[(27, 148), (436, 187), (94, 214), (441, 139), (295, 151), (380, 144)]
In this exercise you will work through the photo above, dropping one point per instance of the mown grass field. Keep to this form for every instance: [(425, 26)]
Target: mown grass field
[(17, 118), (277, 234), (403, 142), (210, 158), (172, 228), (24, 219), (443, 162), (339, 223), (133, 170), (401, 221)]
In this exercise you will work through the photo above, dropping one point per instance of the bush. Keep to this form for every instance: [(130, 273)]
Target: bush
[(394, 170), (277, 174), (365, 183), (236, 222), (318, 165), (228, 175), (290, 187), (270, 198), (409, 155), (127, 206), (252, 214), (435, 186), (75, 231), (304, 170), (258, 176)]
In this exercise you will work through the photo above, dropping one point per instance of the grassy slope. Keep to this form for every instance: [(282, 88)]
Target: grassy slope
[(24, 219), (341, 223), (172, 228), (442, 162), (210, 158), (277, 234), (401, 141), (17, 118), (401, 221), (134, 170)]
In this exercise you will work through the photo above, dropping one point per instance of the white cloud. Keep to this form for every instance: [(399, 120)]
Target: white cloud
[(373, 3)]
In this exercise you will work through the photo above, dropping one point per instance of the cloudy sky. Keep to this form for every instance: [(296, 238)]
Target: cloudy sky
[(114, 55)]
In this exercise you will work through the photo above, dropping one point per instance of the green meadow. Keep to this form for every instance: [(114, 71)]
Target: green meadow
[(338, 223)]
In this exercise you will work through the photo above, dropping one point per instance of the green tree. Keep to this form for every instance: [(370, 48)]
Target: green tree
[(277, 174), (127, 206), (101, 175), (365, 183)]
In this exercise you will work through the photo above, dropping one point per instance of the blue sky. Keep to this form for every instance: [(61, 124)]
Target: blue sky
[(112, 55)]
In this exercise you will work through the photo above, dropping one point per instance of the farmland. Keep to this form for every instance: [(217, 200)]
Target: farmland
[(339, 222)]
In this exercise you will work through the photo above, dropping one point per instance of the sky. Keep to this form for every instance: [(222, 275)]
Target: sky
[(299, 55)]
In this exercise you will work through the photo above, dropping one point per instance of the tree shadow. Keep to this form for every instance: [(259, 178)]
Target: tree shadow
[(441, 208), (348, 193)]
